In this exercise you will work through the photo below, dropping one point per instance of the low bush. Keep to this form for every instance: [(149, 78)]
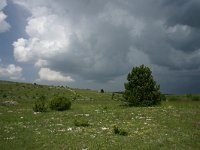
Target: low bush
[(81, 122), (60, 103), (40, 105), (119, 131), (195, 98), (4, 96), (102, 91)]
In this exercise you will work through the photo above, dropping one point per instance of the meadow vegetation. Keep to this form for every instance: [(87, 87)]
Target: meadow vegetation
[(95, 120)]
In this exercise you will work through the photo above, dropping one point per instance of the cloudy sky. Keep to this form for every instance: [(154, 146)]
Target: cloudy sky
[(95, 43)]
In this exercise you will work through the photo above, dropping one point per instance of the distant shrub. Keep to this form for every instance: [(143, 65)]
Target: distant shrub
[(60, 103), (81, 122), (4, 96), (102, 91), (119, 131), (195, 98), (105, 107), (40, 105)]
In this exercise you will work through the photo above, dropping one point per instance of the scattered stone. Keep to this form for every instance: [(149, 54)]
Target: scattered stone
[(104, 128), (9, 103), (69, 129), (35, 113)]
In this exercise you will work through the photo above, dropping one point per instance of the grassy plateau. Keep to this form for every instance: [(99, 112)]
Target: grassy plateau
[(96, 121)]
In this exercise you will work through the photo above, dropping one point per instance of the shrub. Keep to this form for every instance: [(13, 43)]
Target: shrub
[(40, 105), (81, 122), (105, 107), (141, 89), (119, 131), (60, 103), (195, 98), (4, 96), (102, 91)]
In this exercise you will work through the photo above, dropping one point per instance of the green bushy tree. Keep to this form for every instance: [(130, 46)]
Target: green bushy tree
[(40, 104), (60, 103), (141, 89)]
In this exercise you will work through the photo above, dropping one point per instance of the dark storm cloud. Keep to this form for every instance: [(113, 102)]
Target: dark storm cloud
[(172, 37), (104, 59), (175, 49), (106, 38), (184, 12)]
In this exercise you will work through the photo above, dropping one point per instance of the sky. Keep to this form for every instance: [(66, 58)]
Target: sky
[(94, 44)]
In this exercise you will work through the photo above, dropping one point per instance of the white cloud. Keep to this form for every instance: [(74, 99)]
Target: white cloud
[(4, 26), (41, 63), (49, 35), (11, 71), (47, 74), (21, 51)]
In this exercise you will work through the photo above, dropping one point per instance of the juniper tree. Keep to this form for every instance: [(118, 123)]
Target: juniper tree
[(141, 89)]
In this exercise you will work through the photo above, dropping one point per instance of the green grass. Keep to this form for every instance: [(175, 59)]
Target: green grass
[(173, 125)]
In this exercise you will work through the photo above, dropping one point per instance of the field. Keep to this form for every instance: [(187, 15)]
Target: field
[(173, 125)]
